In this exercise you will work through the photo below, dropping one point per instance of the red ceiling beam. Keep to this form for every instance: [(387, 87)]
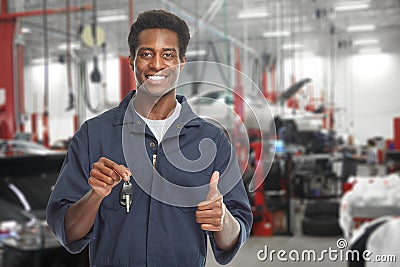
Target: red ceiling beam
[(30, 13)]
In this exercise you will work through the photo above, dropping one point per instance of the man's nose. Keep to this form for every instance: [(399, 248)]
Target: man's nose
[(157, 63)]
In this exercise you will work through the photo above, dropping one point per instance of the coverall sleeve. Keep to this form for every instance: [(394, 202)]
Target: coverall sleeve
[(235, 199), (72, 185)]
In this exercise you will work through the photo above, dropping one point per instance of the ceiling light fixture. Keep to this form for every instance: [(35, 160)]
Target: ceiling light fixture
[(74, 45), (253, 13), (25, 30), (112, 18), (40, 61), (361, 28), (366, 42), (292, 46), (193, 53), (276, 34), (352, 7), (370, 50)]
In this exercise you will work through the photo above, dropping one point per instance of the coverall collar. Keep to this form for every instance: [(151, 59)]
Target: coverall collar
[(187, 117)]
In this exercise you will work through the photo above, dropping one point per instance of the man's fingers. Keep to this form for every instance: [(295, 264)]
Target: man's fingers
[(121, 170), (95, 183), (104, 173), (98, 175), (210, 227), (209, 204), (209, 213), (213, 221), (124, 172), (213, 191), (101, 188)]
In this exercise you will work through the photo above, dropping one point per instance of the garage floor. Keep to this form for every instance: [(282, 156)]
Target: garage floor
[(247, 255)]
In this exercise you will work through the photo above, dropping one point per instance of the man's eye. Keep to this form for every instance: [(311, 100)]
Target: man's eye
[(145, 54), (168, 55)]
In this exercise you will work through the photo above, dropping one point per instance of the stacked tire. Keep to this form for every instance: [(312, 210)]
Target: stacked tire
[(321, 219)]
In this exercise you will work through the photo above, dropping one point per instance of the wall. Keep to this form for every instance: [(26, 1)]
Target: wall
[(367, 86), (61, 120)]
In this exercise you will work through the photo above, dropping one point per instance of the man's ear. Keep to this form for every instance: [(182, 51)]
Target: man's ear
[(131, 62), (183, 61)]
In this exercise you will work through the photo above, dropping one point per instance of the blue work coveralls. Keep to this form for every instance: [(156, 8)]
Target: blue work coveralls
[(153, 233)]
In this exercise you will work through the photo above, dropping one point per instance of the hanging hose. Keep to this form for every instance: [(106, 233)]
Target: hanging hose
[(46, 57), (95, 76), (85, 86), (46, 75), (71, 97)]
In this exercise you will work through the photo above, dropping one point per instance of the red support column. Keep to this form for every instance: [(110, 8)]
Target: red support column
[(76, 123), (238, 97), (7, 117), (34, 129), (264, 78), (262, 225), (21, 103), (273, 91), (396, 134), (45, 134), (127, 77), (241, 151), (131, 12)]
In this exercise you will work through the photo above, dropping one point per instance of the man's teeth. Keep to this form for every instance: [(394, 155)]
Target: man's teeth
[(156, 77)]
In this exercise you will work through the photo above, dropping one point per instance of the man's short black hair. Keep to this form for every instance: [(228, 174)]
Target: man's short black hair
[(159, 19)]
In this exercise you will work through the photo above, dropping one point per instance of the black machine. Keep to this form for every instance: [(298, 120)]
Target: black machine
[(25, 186)]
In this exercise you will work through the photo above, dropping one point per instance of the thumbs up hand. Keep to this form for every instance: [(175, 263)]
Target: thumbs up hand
[(211, 213)]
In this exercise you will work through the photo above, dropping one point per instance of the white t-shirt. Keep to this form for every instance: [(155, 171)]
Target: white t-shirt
[(160, 127)]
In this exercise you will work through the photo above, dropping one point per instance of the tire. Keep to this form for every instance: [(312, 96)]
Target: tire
[(323, 225), (322, 208)]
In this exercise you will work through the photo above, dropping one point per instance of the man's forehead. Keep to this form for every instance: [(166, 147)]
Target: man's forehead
[(158, 33)]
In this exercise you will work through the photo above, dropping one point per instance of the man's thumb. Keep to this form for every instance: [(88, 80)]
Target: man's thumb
[(214, 185)]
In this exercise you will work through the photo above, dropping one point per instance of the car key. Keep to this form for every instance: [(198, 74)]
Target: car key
[(125, 196)]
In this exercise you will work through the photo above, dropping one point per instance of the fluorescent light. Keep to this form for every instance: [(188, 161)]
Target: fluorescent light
[(110, 12), (276, 34), (253, 13), (112, 18), (292, 46), (351, 7), (74, 45), (193, 53), (25, 30), (366, 42), (40, 61), (371, 50), (361, 28)]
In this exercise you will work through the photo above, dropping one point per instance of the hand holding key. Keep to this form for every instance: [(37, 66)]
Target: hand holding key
[(106, 174)]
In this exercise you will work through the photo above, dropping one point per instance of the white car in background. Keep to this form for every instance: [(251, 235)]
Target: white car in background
[(217, 106), (14, 147)]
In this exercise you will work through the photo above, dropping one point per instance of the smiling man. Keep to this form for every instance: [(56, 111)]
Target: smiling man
[(160, 227)]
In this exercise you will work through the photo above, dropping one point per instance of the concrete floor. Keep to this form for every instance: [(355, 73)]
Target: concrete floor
[(247, 255)]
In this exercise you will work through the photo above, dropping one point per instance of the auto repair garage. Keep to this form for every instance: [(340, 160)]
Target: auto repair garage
[(305, 94)]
